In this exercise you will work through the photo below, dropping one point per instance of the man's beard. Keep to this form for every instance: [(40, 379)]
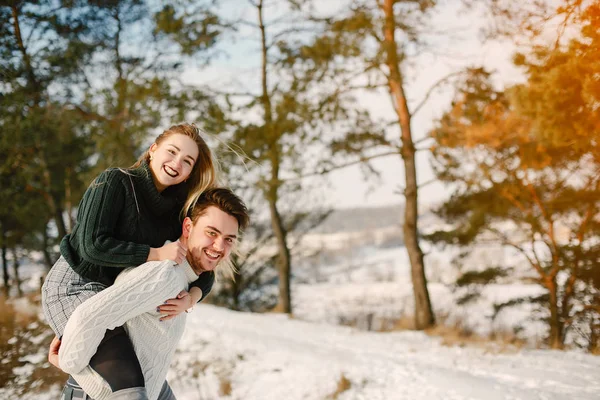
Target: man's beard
[(195, 260)]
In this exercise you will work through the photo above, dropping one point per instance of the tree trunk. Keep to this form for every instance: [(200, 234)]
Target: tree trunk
[(60, 222), (68, 200), (594, 344), (236, 292), (126, 145), (284, 257), (36, 91), (16, 271), (236, 284), (283, 261), (556, 327), (32, 82), (4, 263), (47, 257), (423, 312)]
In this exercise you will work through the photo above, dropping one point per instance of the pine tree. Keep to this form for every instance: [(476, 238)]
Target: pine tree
[(528, 156), (42, 47), (373, 40)]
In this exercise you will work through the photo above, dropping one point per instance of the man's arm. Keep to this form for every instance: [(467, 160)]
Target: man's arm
[(94, 384), (137, 292)]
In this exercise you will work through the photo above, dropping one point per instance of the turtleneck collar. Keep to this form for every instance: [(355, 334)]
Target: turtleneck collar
[(190, 274), (159, 203)]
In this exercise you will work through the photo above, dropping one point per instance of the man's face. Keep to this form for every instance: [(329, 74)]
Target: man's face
[(210, 239)]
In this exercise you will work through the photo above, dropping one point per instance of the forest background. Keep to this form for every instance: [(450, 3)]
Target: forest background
[(292, 93)]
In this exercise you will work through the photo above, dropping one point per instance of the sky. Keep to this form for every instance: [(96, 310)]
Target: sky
[(350, 188), (454, 51)]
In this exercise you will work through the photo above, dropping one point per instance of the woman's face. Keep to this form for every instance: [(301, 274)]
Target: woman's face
[(172, 160)]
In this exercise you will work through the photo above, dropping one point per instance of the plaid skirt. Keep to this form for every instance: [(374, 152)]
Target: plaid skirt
[(62, 291)]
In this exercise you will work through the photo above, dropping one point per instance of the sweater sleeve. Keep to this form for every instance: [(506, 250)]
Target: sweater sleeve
[(100, 209), (205, 283), (135, 293)]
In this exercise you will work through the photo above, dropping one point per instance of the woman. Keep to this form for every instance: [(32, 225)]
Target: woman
[(123, 220)]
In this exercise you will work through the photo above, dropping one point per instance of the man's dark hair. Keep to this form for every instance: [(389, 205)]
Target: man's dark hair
[(225, 200)]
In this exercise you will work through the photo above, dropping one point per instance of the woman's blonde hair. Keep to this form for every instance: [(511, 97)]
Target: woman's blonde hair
[(204, 172)]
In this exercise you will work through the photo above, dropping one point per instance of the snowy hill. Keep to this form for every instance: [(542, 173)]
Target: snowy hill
[(357, 219), (362, 279), (267, 356), (232, 355)]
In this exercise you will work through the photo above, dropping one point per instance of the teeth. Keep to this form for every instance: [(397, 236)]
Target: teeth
[(170, 171), (211, 254)]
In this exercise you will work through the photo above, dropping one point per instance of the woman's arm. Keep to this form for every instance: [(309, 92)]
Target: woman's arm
[(186, 300), (99, 211), (205, 283)]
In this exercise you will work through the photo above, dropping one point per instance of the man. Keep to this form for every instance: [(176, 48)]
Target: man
[(210, 233)]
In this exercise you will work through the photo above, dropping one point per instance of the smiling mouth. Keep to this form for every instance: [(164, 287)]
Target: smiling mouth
[(212, 255), (170, 171)]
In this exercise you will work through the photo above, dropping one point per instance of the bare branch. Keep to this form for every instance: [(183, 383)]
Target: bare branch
[(426, 183), (325, 171), (289, 31), (400, 189), (532, 242), (89, 115), (588, 216), (505, 241), (563, 25), (245, 23), (551, 233), (255, 248), (417, 142), (433, 88), (234, 94)]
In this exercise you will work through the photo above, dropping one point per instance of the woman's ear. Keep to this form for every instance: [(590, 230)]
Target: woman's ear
[(152, 149)]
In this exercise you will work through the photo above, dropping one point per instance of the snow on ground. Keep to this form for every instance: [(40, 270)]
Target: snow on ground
[(373, 289), (268, 356), (232, 355)]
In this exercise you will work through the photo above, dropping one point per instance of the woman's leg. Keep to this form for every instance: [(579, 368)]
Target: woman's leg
[(117, 365), (115, 360), (72, 391), (62, 291), (166, 393)]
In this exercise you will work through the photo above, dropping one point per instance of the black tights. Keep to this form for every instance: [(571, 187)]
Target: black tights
[(116, 361)]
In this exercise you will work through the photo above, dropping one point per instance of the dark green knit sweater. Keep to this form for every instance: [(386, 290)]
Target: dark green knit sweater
[(119, 211)]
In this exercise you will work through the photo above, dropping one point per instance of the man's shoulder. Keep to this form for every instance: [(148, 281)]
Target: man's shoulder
[(165, 266), (151, 270)]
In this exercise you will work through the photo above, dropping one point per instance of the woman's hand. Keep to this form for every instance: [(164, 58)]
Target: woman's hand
[(173, 307), (175, 251), (53, 352)]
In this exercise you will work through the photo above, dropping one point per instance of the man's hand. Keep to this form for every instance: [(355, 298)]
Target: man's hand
[(173, 307), (53, 352)]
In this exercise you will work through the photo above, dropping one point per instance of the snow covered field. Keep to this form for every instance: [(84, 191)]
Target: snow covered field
[(373, 290), (268, 356), (233, 355)]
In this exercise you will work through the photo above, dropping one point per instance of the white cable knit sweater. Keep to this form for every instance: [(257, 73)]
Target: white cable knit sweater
[(130, 301)]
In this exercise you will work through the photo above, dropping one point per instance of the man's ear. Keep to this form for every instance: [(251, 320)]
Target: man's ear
[(187, 227)]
